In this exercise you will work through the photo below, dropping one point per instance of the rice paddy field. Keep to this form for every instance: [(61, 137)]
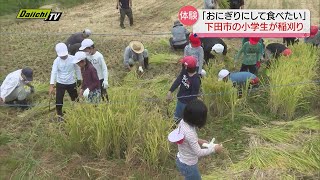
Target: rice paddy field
[(270, 133)]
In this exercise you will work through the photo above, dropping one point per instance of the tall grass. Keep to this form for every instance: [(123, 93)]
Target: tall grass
[(220, 96), (224, 4), (122, 129), (283, 150), (286, 95)]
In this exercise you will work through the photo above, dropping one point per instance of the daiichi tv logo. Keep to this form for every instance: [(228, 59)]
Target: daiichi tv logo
[(45, 14)]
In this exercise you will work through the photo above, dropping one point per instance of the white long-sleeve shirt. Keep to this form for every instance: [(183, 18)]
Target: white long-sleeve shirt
[(64, 71), (190, 150), (98, 62), (12, 81)]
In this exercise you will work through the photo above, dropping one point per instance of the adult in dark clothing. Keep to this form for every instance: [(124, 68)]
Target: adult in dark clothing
[(274, 51), (90, 88), (213, 44), (236, 4), (290, 41), (74, 41), (189, 82), (180, 36), (125, 9)]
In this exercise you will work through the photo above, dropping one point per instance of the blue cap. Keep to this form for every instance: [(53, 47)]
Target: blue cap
[(28, 73)]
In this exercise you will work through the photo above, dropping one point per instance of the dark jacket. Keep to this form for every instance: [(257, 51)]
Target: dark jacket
[(208, 43), (276, 49), (189, 86), (90, 77), (75, 38)]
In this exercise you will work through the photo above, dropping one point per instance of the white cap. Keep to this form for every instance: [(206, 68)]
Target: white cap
[(218, 48), (175, 136), (222, 74), (87, 32), (79, 56), (61, 49), (86, 43)]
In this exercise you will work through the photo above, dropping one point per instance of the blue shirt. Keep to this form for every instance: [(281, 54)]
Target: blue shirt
[(241, 78)]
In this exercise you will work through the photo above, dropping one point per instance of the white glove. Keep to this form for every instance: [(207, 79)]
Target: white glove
[(210, 145), (105, 84), (207, 145), (203, 73), (140, 69), (86, 93)]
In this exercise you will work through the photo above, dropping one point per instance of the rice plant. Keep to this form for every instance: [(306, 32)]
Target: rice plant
[(122, 129), (220, 96), (271, 150), (290, 80)]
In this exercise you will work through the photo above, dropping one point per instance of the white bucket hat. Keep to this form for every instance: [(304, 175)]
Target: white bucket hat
[(175, 136), (61, 49), (79, 56), (218, 48), (86, 43), (222, 74)]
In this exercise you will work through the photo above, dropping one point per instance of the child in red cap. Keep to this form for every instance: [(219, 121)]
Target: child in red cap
[(189, 82), (252, 52), (194, 49), (314, 37)]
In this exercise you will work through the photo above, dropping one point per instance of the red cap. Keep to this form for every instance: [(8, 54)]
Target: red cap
[(287, 52), (194, 40), (254, 40), (314, 30), (255, 81), (189, 61)]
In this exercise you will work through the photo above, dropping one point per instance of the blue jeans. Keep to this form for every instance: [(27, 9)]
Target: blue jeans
[(189, 172), (179, 111)]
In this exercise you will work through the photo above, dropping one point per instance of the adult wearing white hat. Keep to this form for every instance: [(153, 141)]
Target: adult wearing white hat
[(90, 88), (74, 41), (136, 52), (63, 74), (97, 60), (12, 89), (216, 45)]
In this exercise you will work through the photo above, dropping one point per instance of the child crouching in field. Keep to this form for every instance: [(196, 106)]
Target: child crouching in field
[(194, 116)]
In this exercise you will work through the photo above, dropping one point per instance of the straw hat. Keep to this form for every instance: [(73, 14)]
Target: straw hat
[(136, 47)]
